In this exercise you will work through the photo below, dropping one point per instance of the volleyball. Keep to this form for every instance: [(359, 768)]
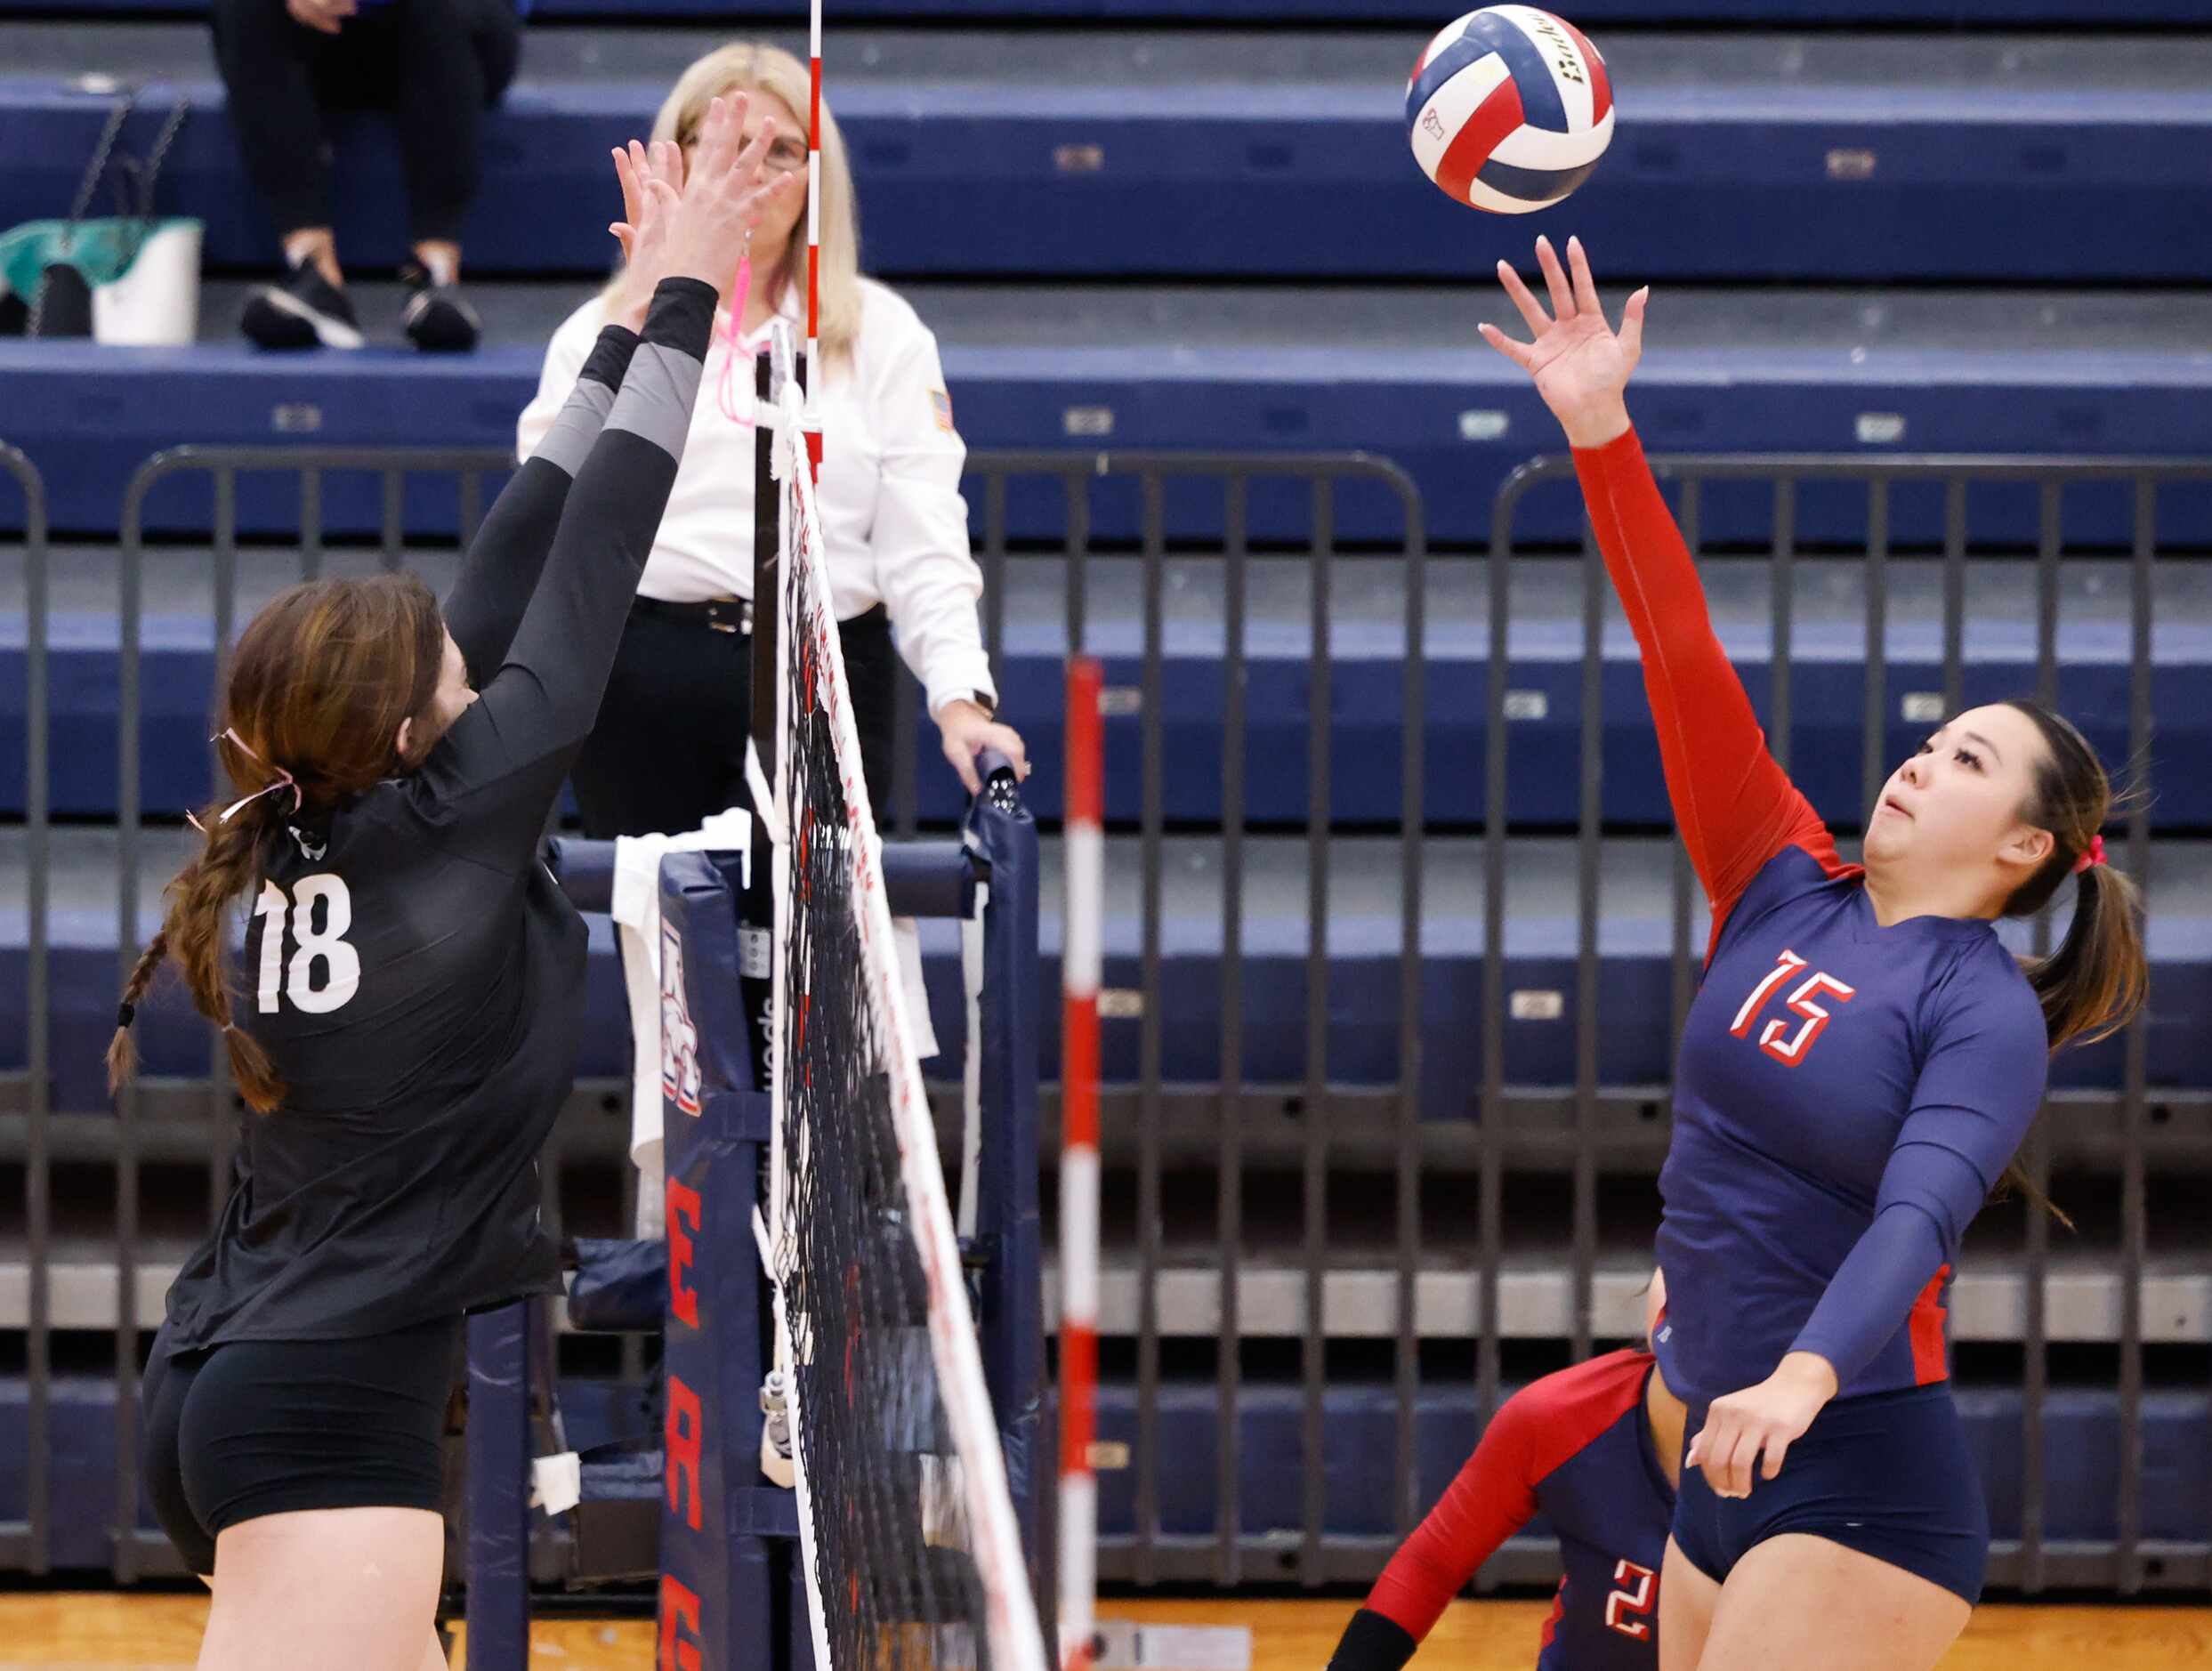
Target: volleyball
[(1509, 108)]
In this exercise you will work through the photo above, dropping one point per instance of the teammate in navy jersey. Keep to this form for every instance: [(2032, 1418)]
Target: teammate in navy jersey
[(406, 1022), (1594, 1449), (1861, 1061)]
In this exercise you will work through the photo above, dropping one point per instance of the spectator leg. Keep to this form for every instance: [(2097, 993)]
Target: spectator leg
[(270, 71), (456, 60)]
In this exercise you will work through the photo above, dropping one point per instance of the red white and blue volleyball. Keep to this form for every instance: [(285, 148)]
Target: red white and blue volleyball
[(1509, 108)]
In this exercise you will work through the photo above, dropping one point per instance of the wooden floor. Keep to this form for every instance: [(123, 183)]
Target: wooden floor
[(121, 1632)]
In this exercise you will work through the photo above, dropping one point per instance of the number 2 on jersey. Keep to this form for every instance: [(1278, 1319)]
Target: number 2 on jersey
[(341, 972), (1636, 1597)]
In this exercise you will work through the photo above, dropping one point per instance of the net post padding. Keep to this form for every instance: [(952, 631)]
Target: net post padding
[(962, 1498)]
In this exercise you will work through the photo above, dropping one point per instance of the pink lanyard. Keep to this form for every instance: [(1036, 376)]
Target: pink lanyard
[(726, 390)]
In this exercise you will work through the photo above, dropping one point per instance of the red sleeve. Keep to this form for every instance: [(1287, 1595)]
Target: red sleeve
[(1736, 807), (1494, 1495)]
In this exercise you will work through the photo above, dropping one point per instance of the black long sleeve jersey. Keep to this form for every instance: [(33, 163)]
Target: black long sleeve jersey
[(410, 965)]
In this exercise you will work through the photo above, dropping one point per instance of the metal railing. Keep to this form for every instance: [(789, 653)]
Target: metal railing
[(1321, 477), (27, 1545), (1337, 1144)]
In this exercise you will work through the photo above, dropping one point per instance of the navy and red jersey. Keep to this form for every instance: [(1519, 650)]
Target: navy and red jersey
[(1575, 1446), (1847, 1094)]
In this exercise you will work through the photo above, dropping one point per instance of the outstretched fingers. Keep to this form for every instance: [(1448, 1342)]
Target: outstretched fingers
[(1519, 354), (667, 160), (1585, 286), (626, 172), (1631, 325), (746, 168), (719, 137), (1555, 281), (1533, 312)]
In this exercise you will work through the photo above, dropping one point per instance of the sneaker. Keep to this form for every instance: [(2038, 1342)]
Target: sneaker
[(438, 321), (301, 311)]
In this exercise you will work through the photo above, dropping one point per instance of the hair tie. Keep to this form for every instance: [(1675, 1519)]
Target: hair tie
[(2093, 855), (125, 1014), (283, 781)]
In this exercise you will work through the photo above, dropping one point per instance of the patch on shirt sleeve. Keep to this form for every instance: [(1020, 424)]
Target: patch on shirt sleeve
[(940, 404)]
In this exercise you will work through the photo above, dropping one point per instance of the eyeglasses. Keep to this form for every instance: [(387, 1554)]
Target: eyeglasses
[(786, 156)]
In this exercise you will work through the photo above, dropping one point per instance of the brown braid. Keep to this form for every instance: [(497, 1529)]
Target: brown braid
[(122, 1055), (199, 900)]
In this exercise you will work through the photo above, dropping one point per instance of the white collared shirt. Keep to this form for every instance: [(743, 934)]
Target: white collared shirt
[(892, 517)]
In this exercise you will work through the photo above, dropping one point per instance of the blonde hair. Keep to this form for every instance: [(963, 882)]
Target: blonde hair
[(756, 67)]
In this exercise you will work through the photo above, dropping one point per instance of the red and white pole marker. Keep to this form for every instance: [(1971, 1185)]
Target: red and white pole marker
[(1079, 965), (814, 241)]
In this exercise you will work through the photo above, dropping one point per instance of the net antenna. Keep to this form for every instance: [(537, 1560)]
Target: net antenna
[(913, 1555), (1081, 955)]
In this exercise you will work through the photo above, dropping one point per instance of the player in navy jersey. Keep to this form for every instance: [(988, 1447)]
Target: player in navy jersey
[(1594, 1449), (1861, 1061), (406, 1022)]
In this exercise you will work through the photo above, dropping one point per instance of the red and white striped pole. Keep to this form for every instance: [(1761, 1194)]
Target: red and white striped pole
[(814, 241), (1079, 965)]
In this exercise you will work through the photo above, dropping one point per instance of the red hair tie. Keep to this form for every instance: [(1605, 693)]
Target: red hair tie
[(2094, 856)]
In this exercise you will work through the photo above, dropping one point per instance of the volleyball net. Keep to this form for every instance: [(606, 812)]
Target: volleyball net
[(911, 1548)]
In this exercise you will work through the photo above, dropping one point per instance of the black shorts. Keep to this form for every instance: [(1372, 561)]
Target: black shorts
[(1885, 1473), (257, 1427)]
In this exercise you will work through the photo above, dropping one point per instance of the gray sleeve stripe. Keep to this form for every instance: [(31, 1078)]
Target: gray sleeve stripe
[(577, 427), (657, 397)]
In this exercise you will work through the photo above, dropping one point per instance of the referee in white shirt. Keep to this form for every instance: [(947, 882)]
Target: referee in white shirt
[(669, 748)]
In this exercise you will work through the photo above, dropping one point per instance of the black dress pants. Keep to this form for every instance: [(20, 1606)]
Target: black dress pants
[(437, 65), (668, 751)]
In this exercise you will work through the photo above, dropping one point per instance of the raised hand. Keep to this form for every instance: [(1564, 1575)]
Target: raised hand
[(1581, 365), (728, 190), (652, 183)]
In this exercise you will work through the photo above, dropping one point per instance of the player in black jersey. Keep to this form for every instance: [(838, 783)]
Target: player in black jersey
[(407, 1018)]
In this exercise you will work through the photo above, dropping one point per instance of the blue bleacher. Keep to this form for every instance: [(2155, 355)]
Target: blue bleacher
[(1070, 156), (1400, 375), (1828, 689), (1192, 225), (1634, 944)]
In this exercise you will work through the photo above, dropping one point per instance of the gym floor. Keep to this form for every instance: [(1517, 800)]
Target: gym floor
[(161, 1633)]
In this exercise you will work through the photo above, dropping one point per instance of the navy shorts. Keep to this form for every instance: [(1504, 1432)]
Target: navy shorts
[(266, 1427), (1885, 1473)]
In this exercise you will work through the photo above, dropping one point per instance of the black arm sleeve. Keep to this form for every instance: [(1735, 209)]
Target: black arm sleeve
[(492, 777), (508, 553), (1373, 1642)]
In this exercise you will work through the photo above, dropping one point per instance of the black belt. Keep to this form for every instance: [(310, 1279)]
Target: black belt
[(735, 615), (721, 615)]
